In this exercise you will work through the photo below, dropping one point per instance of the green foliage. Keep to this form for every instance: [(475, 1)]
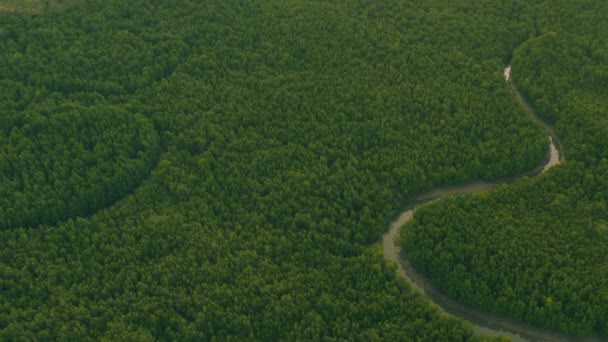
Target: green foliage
[(60, 161), (36, 6), (536, 250), (290, 131)]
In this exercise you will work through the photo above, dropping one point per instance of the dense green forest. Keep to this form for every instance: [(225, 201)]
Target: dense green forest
[(60, 161), (536, 250), (191, 170), (36, 6)]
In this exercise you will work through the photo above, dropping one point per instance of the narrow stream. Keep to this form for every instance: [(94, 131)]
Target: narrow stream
[(483, 323)]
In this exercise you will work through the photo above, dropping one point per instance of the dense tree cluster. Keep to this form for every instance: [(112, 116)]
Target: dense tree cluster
[(286, 133), (60, 161), (536, 250), (35, 6)]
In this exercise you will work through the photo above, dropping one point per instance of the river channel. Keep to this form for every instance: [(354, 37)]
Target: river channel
[(483, 323)]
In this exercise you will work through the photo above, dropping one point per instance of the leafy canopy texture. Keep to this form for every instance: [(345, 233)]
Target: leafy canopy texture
[(61, 161), (537, 250), (199, 170)]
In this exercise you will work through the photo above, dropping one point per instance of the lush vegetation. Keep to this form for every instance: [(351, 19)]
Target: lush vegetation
[(536, 250), (286, 133), (36, 6), (60, 161)]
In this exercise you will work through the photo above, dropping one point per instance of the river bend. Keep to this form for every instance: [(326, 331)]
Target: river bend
[(483, 323)]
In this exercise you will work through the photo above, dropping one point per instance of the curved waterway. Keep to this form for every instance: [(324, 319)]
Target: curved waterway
[(483, 323)]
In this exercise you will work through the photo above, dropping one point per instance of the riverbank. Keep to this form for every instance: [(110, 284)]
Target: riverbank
[(483, 323)]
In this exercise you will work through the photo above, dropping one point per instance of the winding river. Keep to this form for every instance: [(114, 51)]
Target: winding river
[(483, 323)]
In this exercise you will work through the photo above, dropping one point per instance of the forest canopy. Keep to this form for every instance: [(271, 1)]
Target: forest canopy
[(60, 161), (200, 170), (36, 6), (545, 238)]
